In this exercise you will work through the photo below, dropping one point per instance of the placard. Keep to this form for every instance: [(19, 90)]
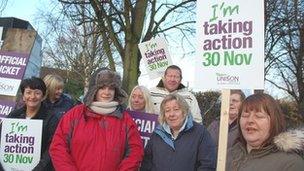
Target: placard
[(6, 107), (20, 144), (146, 123), (230, 48), (12, 68), (156, 56)]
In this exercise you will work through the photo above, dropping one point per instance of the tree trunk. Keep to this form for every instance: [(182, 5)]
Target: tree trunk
[(107, 49), (300, 72), (131, 67)]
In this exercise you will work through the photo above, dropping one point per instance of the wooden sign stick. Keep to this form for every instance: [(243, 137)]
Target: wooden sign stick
[(223, 133)]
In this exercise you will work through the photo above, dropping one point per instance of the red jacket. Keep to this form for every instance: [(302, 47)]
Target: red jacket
[(88, 141)]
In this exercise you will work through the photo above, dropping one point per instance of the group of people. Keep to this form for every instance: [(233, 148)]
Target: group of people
[(99, 134)]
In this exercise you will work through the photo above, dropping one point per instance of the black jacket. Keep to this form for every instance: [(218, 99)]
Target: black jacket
[(61, 106), (49, 125)]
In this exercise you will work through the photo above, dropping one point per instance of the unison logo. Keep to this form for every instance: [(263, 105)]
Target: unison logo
[(5, 87), (227, 79)]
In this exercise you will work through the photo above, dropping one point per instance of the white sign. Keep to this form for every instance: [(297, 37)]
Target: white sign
[(20, 144), (9, 86), (230, 48), (156, 56), (12, 68)]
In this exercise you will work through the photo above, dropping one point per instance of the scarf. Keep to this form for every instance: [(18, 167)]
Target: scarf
[(103, 108)]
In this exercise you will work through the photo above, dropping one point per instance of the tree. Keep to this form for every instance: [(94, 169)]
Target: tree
[(77, 49), (288, 52), (124, 24), (273, 23), (3, 4)]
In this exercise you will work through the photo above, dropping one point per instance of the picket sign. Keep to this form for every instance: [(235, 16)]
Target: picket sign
[(230, 53), (223, 133), (156, 56)]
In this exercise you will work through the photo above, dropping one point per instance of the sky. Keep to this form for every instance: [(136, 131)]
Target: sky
[(26, 10), (23, 9)]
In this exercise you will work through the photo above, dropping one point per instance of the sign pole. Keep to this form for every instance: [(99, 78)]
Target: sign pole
[(223, 133)]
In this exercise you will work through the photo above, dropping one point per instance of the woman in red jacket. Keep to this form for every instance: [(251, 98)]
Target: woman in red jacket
[(99, 134)]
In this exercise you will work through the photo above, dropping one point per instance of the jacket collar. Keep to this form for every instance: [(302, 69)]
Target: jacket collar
[(166, 136), (41, 114), (63, 98), (292, 140), (233, 125), (166, 128), (289, 141)]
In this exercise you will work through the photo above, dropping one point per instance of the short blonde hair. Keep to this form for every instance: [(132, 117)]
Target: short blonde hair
[(52, 82), (180, 101), (149, 107)]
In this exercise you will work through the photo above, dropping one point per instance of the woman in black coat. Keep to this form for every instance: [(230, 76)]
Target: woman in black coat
[(33, 92)]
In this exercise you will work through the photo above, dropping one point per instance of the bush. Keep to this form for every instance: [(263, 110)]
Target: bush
[(74, 88), (209, 103), (290, 110)]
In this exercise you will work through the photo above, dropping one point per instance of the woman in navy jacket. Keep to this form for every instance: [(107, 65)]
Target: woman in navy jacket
[(179, 143), (56, 101)]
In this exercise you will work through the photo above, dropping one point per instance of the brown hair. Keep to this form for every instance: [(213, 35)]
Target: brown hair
[(174, 67), (239, 92), (261, 101), (180, 101)]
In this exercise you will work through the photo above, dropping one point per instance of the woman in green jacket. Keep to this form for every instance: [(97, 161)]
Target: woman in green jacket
[(263, 145)]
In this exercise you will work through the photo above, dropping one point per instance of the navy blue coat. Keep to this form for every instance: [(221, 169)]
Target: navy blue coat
[(193, 149), (60, 107)]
